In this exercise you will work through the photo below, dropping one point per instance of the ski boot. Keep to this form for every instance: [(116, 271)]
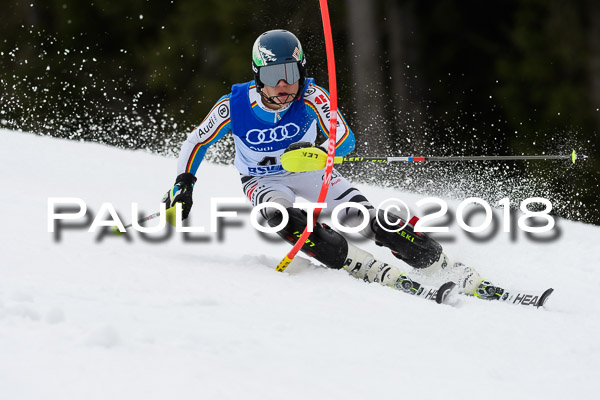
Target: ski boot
[(363, 265), (470, 282)]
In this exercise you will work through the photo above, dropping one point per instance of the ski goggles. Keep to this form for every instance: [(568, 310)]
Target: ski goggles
[(270, 75)]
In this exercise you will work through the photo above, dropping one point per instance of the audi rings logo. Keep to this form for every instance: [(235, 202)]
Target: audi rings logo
[(276, 134)]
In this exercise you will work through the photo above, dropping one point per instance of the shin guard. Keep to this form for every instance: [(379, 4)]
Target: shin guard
[(414, 248), (324, 244)]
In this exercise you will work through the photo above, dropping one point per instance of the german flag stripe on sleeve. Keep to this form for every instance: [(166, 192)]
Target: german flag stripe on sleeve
[(325, 128), (213, 109), (204, 143)]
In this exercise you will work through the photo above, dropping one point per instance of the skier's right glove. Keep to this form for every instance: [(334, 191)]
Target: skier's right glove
[(181, 192)]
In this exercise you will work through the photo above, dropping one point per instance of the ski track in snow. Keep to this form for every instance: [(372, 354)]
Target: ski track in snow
[(103, 317)]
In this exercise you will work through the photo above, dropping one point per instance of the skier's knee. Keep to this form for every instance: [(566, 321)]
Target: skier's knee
[(415, 248), (269, 212), (324, 244)]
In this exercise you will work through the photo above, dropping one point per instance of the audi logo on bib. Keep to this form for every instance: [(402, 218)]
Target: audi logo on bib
[(276, 134)]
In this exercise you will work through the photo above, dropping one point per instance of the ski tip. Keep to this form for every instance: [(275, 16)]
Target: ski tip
[(444, 291), (116, 231), (544, 297)]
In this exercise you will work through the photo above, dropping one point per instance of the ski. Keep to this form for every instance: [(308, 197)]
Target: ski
[(525, 298), (509, 296)]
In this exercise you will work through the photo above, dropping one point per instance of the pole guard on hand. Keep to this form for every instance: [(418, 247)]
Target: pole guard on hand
[(306, 159)]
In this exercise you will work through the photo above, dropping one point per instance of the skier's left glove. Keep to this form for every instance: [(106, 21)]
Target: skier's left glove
[(181, 192), (303, 157)]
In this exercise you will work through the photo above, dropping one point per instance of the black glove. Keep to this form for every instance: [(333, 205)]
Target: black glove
[(181, 193), (303, 145)]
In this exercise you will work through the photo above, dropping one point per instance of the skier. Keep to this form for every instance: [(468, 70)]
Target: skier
[(283, 109)]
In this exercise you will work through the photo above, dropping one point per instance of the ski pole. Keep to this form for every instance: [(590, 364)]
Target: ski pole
[(169, 215), (117, 232), (312, 158), (572, 157)]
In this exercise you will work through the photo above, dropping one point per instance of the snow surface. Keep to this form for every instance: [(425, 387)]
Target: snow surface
[(94, 316)]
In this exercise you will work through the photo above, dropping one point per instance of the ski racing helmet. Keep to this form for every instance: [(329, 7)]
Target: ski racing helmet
[(278, 55)]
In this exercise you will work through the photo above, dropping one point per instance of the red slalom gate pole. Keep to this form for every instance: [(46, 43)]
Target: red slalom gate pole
[(332, 137)]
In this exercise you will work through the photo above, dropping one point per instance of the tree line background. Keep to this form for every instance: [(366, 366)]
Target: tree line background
[(415, 77)]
